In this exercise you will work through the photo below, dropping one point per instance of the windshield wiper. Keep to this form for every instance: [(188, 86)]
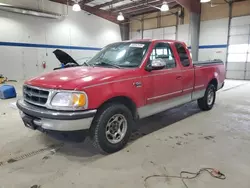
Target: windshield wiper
[(85, 63), (109, 64)]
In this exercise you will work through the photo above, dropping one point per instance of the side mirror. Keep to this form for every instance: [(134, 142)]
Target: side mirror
[(156, 64)]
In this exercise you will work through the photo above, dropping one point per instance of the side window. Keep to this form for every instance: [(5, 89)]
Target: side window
[(163, 51), (182, 54)]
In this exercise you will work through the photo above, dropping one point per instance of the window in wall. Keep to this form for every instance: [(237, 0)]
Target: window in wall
[(237, 57), (238, 48), (164, 51), (238, 53), (182, 54)]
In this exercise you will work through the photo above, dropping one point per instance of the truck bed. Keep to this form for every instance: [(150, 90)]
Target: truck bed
[(205, 70), (208, 62)]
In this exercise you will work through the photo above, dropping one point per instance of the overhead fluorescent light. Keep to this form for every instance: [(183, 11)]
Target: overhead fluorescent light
[(76, 7), (120, 17), (164, 6), (205, 1)]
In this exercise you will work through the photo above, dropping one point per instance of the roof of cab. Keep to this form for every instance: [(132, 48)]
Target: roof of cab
[(153, 40)]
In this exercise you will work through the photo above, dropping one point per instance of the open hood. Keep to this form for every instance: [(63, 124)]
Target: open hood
[(64, 58)]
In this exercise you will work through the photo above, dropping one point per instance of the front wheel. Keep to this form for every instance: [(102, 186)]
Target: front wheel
[(111, 129), (207, 102)]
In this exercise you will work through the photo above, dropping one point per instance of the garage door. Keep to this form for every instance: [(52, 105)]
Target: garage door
[(238, 58)]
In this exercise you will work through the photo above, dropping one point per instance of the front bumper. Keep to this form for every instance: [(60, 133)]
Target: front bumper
[(41, 118)]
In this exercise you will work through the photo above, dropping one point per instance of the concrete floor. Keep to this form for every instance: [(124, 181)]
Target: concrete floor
[(180, 139)]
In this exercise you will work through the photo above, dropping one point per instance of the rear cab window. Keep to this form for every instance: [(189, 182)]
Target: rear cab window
[(182, 52)]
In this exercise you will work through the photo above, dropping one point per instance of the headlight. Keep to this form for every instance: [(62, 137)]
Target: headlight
[(70, 100)]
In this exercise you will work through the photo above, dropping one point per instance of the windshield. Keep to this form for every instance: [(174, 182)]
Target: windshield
[(123, 54)]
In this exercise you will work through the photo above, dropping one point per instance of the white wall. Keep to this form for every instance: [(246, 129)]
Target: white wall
[(213, 39), (159, 33), (184, 34), (78, 29), (135, 35), (212, 42)]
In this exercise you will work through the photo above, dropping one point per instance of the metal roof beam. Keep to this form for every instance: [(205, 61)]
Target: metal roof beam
[(191, 5), (86, 1), (146, 6), (101, 13), (136, 4), (98, 12), (108, 3), (141, 7)]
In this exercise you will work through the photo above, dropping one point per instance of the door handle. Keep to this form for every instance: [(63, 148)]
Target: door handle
[(178, 77)]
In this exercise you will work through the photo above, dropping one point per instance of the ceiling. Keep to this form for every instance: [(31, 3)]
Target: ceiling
[(129, 7), (109, 9)]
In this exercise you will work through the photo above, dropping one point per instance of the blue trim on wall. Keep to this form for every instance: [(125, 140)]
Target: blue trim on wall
[(30, 45), (211, 46)]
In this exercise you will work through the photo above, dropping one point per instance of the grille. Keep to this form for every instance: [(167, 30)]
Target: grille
[(35, 96)]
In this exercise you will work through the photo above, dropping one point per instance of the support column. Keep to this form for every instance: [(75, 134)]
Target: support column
[(230, 4), (195, 34), (124, 29)]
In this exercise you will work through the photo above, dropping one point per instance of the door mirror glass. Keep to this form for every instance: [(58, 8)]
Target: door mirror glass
[(158, 64)]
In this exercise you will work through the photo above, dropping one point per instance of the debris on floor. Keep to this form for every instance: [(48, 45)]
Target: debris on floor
[(209, 137), (51, 153), (2, 79), (35, 186), (13, 105), (52, 148), (5, 79)]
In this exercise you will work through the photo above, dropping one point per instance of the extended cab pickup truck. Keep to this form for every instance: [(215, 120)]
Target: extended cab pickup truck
[(124, 82)]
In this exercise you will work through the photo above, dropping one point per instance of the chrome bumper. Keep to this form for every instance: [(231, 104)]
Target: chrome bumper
[(40, 118)]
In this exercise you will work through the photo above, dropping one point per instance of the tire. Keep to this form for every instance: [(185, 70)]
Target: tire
[(206, 103), (103, 123)]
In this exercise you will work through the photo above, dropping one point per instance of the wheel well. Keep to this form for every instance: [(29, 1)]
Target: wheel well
[(129, 103), (214, 82)]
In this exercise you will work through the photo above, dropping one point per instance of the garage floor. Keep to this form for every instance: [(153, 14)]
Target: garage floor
[(179, 139)]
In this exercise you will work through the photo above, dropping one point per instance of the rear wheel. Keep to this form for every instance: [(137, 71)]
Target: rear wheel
[(207, 102), (111, 128)]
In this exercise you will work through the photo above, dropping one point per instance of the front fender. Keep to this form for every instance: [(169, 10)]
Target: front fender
[(99, 94)]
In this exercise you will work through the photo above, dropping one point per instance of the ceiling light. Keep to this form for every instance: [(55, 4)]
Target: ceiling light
[(76, 7), (164, 6), (205, 1), (120, 17)]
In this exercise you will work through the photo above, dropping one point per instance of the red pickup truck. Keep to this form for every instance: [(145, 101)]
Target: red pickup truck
[(124, 82)]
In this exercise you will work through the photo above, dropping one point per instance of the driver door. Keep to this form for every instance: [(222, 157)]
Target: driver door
[(165, 84)]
